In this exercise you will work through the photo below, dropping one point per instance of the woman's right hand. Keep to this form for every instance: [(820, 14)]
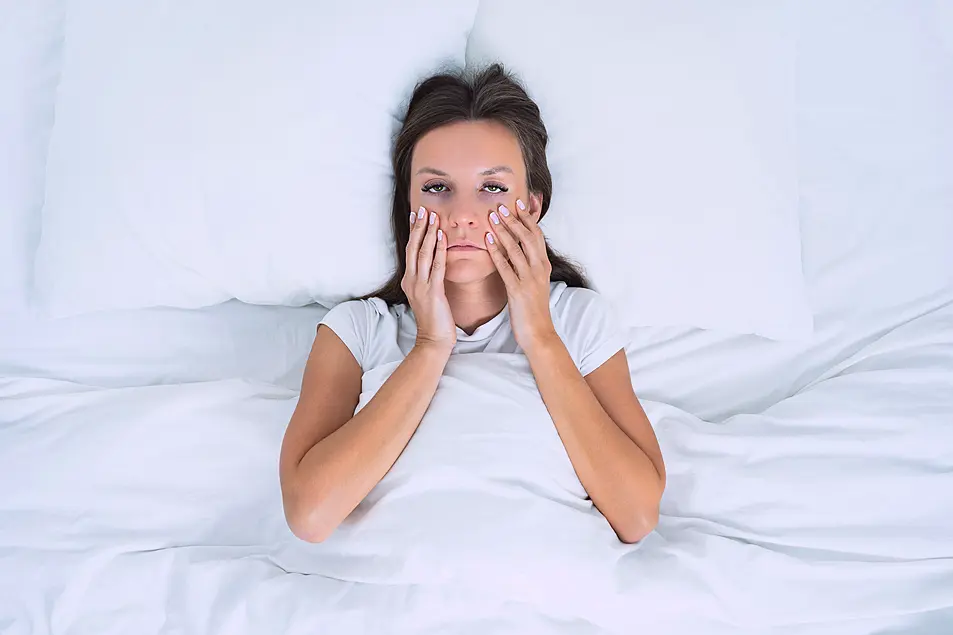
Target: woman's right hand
[(423, 280)]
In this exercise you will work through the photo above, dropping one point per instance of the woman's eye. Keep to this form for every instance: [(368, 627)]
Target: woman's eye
[(435, 188), (494, 189)]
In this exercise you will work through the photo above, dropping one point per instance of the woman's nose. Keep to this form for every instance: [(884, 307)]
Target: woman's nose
[(468, 214)]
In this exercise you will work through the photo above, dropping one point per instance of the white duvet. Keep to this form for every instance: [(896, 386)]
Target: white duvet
[(156, 509)]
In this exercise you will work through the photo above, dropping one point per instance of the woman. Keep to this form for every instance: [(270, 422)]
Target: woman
[(474, 275)]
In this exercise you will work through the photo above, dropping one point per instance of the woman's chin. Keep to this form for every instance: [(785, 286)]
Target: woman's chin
[(468, 270)]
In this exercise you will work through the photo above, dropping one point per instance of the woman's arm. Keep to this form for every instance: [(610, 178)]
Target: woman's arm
[(605, 431), (332, 458), (606, 434)]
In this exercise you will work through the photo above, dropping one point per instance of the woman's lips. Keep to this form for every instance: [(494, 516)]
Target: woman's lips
[(465, 248)]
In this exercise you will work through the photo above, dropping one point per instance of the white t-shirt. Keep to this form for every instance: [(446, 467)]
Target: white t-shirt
[(377, 334)]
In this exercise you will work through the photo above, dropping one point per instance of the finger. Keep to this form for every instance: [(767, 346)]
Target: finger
[(509, 245), (532, 214), (530, 218), (439, 259), (517, 224), (425, 255), (413, 241), (499, 259)]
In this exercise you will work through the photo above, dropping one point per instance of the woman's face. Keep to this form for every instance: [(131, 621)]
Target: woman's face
[(464, 171)]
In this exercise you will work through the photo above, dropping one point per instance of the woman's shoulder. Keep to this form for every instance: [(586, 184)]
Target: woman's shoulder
[(361, 325), (361, 319), (370, 311), (369, 307), (587, 324), (566, 301)]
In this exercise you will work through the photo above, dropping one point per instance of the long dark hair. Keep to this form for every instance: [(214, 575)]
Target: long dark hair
[(488, 95)]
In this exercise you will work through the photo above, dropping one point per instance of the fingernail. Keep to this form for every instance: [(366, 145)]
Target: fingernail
[(439, 234), (504, 211), (520, 204), (489, 238), (413, 217), (433, 217), (421, 212), (495, 218)]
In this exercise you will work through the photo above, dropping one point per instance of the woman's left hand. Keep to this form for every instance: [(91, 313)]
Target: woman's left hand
[(518, 249)]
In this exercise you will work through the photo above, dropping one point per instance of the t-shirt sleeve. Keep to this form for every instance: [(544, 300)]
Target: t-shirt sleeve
[(592, 330), (352, 321)]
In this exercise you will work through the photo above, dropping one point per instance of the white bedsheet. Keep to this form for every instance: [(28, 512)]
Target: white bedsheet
[(155, 509)]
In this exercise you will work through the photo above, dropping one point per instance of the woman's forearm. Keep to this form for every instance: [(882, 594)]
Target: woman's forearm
[(619, 477), (339, 472)]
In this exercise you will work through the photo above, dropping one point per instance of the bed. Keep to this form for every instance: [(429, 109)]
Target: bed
[(810, 482)]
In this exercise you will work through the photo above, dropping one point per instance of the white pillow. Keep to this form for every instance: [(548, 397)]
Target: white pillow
[(206, 149), (876, 146), (30, 50), (672, 152)]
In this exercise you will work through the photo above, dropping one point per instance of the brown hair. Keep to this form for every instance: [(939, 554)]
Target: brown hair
[(488, 95)]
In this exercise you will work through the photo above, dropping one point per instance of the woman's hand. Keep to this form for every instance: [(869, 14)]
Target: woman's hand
[(518, 249), (423, 280)]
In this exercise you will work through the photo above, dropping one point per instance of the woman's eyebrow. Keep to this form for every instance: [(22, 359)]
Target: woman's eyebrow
[(427, 170), (498, 168)]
